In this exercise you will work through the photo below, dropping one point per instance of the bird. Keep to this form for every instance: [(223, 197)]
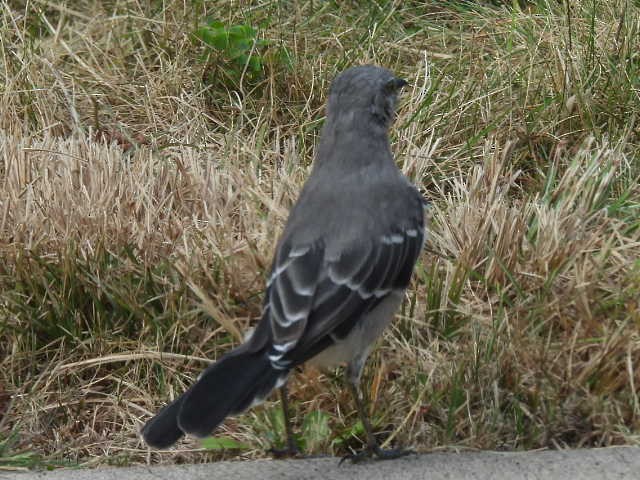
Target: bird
[(339, 272)]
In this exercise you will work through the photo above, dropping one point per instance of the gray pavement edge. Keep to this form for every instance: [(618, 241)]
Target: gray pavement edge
[(585, 464)]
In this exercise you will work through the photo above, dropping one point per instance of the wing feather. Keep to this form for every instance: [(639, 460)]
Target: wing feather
[(316, 296)]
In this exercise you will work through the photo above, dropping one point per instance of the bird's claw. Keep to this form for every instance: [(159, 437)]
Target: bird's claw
[(288, 452), (378, 453)]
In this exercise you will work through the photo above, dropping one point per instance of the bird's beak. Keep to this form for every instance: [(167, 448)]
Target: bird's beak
[(395, 84), (400, 82)]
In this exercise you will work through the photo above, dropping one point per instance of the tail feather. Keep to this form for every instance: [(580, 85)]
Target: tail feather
[(229, 386), (162, 431)]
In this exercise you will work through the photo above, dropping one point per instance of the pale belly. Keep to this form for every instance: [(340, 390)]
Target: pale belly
[(361, 338)]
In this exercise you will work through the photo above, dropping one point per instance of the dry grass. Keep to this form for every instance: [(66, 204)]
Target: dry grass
[(142, 191)]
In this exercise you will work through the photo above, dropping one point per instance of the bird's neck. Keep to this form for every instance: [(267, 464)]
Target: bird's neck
[(354, 140)]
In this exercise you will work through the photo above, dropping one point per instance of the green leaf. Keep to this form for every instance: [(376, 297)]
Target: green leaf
[(212, 38), (240, 49), (315, 429), (218, 39), (223, 443), (285, 57), (242, 31), (357, 430), (255, 64), (215, 24)]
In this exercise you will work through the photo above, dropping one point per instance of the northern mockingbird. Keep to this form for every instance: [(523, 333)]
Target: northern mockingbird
[(340, 269)]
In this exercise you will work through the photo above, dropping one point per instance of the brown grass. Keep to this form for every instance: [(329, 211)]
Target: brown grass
[(142, 192)]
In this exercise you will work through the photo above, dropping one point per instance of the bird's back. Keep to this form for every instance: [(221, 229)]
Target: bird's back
[(363, 203)]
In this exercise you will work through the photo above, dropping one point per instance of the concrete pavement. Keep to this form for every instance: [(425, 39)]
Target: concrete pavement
[(593, 464)]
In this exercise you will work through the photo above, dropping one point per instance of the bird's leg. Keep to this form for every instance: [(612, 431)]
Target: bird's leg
[(364, 417), (291, 450), (292, 445), (373, 447)]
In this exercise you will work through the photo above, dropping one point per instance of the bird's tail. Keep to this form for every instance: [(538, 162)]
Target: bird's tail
[(237, 381)]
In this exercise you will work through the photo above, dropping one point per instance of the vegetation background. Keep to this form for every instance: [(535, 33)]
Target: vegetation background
[(149, 152)]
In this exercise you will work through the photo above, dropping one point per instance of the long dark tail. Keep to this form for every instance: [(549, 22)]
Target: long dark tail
[(162, 431), (231, 385)]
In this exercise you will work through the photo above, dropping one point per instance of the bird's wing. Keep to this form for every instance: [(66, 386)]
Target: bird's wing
[(315, 297)]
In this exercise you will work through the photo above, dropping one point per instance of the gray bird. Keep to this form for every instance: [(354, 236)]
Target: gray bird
[(340, 270)]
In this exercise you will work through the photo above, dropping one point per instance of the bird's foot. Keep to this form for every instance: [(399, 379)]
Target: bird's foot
[(289, 452), (377, 452)]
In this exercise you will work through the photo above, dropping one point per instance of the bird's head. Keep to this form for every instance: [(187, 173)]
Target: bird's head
[(364, 93)]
